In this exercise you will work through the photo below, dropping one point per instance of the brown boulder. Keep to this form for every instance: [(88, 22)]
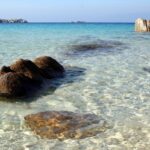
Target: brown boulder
[(50, 68), (14, 85), (27, 68), (24, 77), (63, 124)]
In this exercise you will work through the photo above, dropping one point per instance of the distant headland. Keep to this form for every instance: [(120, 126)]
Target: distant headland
[(13, 21), (78, 22)]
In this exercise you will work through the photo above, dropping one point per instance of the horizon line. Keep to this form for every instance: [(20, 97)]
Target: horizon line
[(80, 22)]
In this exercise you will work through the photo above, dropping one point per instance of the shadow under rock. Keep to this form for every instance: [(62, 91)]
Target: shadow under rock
[(72, 74)]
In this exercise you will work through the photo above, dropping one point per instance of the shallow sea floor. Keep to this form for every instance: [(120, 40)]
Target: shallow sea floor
[(108, 82)]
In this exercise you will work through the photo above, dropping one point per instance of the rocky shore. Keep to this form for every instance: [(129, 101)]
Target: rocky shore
[(13, 21), (25, 77)]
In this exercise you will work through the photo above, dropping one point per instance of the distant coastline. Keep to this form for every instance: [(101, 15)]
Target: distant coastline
[(13, 21), (82, 22), (3, 21)]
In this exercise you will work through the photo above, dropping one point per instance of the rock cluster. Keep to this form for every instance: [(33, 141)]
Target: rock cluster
[(24, 76), (13, 21), (65, 124), (142, 25)]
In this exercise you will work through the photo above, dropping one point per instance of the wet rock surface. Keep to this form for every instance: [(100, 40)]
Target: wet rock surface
[(50, 68), (24, 77), (64, 124), (27, 68), (14, 84)]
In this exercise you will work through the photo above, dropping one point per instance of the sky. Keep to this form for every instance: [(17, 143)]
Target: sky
[(75, 10)]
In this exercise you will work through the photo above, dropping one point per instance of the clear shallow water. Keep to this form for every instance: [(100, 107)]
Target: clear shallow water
[(109, 83)]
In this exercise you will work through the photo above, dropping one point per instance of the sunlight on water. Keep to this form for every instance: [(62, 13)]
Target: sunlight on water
[(111, 84)]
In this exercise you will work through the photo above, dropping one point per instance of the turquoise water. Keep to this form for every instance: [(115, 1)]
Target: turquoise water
[(109, 82)]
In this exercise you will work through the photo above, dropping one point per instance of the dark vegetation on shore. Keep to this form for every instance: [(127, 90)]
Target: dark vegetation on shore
[(13, 21)]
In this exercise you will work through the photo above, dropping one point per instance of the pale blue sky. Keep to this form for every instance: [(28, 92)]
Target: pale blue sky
[(73, 10)]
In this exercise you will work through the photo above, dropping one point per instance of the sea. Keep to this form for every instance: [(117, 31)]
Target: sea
[(107, 74)]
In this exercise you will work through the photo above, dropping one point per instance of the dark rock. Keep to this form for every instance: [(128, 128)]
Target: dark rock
[(63, 124), (50, 68), (93, 45), (5, 69), (28, 69), (86, 46), (89, 47), (14, 84)]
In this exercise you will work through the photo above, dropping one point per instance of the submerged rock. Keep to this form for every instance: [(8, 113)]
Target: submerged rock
[(64, 124), (27, 68), (95, 45), (146, 69), (50, 68), (142, 25), (86, 46), (90, 46)]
